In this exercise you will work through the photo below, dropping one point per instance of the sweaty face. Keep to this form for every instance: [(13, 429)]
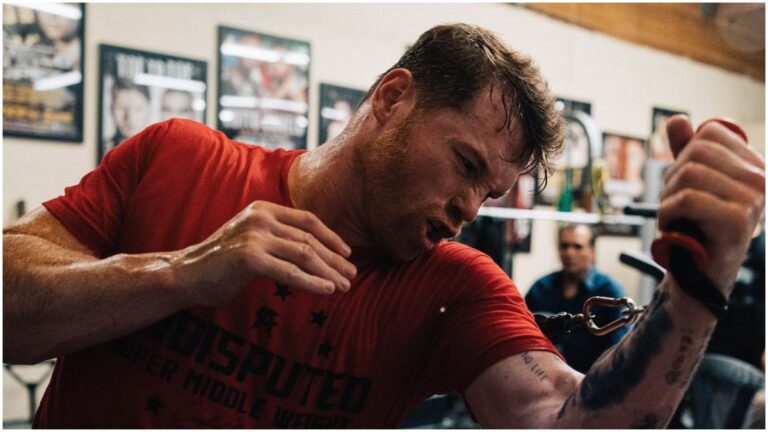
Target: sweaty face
[(576, 254), (429, 173)]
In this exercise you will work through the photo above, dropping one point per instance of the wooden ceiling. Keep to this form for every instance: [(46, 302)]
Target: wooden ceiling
[(727, 35)]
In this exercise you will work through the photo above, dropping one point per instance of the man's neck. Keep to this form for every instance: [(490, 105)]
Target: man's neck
[(322, 182)]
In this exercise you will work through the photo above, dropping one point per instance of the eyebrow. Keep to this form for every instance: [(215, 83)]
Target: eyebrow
[(480, 160)]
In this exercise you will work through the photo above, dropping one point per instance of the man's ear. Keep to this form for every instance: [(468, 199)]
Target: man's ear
[(395, 93)]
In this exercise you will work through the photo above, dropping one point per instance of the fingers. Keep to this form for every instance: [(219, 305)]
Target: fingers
[(307, 221), (720, 158), (291, 274), (315, 253), (308, 259), (679, 132), (695, 175), (714, 131), (334, 260), (710, 213)]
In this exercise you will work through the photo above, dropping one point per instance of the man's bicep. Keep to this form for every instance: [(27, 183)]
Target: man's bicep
[(525, 390), (41, 223)]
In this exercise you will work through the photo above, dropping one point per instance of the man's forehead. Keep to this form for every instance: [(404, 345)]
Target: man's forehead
[(497, 122)]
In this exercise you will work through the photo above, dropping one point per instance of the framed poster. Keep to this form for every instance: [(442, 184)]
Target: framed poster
[(138, 88), (337, 105), (263, 89), (42, 71), (624, 160), (659, 144), (573, 165)]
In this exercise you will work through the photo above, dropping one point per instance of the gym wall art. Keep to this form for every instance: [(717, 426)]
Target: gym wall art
[(138, 88), (42, 70), (337, 105), (263, 88)]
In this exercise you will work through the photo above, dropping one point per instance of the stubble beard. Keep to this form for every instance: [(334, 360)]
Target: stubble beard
[(387, 180)]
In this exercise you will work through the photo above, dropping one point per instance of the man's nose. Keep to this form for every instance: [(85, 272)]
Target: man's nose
[(466, 207)]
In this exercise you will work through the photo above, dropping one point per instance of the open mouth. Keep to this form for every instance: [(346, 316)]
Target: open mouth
[(437, 230)]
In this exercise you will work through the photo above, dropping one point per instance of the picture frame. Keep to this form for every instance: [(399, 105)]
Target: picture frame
[(625, 159), (138, 88), (263, 88), (658, 148), (43, 74), (337, 106)]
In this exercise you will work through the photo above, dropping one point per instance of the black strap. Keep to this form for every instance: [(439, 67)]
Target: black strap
[(695, 283)]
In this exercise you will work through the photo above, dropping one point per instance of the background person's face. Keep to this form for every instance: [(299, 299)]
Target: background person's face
[(130, 110), (576, 254)]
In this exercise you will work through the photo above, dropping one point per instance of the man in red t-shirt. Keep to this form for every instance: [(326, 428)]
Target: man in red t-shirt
[(193, 281)]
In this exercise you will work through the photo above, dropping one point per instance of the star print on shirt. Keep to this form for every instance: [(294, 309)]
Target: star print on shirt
[(325, 349), (318, 318), (154, 404), (265, 318), (282, 292)]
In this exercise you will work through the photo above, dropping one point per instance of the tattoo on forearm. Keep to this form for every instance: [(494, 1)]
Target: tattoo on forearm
[(535, 368), (698, 352), (608, 382), (686, 341)]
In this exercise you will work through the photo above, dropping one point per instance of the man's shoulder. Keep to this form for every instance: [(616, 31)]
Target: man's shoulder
[(547, 280), (605, 283)]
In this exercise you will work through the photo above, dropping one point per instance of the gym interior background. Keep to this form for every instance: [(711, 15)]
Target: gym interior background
[(703, 60)]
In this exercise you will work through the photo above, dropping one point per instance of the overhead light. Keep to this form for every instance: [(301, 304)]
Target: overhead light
[(264, 54), (58, 81), (65, 10), (169, 83)]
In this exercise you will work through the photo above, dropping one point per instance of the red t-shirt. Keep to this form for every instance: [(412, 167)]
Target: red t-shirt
[(273, 356)]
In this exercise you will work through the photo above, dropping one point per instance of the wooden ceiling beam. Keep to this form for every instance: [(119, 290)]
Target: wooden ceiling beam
[(677, 28)]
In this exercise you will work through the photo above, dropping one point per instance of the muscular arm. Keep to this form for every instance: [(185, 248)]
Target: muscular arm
[(717, 183), (636, 384), (58, 297)]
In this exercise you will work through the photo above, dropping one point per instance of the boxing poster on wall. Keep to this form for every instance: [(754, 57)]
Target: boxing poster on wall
[(337, 105), (42, 71), (572, 167), (659, 144), (624, 184), (263, 89), (138, 88)]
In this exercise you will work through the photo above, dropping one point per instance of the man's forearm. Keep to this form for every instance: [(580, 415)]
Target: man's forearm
[(56, 301), (640, 381)]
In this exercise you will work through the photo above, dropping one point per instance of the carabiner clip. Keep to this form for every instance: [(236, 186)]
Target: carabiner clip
[(628, 319)]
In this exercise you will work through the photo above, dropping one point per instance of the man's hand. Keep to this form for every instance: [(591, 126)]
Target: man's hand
[(291, 246), (717, 181)]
